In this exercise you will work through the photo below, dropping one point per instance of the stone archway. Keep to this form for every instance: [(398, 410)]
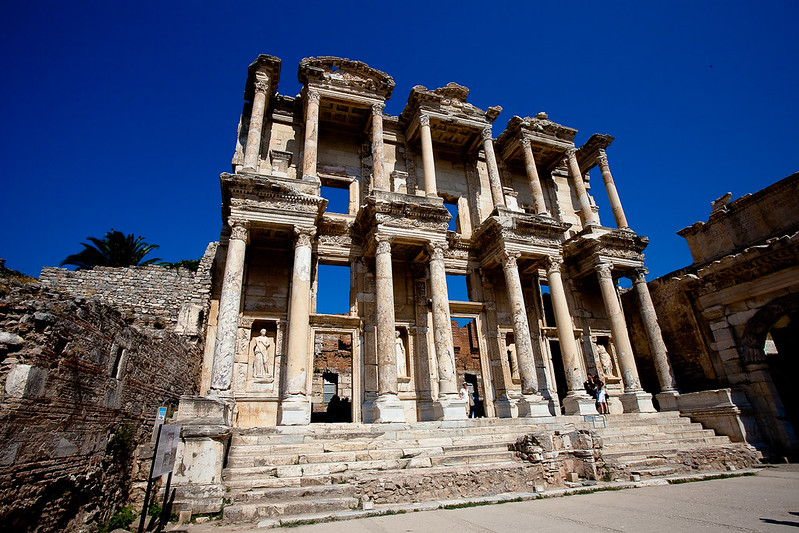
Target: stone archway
[(769, 350)]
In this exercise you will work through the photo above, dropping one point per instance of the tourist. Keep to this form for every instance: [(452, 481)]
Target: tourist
[(590, 386), (601, 397), (464, 394)]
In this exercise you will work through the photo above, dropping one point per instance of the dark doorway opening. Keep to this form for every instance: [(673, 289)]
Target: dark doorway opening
[(557, 369), (476, 406)]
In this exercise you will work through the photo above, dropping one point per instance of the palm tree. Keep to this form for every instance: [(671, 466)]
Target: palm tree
[(114, 250)]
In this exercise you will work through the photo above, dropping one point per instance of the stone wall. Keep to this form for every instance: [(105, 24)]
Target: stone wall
[(154, 296), (80, 389)]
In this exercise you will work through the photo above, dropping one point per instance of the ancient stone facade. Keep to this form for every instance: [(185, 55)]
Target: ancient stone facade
[(729, 319), (430, 193), (81, 387)]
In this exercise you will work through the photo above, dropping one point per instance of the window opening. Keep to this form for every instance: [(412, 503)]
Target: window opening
[(457, 288), (338, 198), (116, 371), (333, 290), (452, 207)]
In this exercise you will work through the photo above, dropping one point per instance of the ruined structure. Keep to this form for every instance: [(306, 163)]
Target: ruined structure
[(729, 319)]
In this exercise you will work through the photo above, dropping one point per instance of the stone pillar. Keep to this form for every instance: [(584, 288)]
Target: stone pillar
[(634, 399), (577, 400), (586, 213), (379, 178), (613, 195), (660, 356), (229, 306), (310, 148), (428, 160), (295, 408), (536, 191), (387, 407), (493, 172), (252, 150), (449, 406), (532, 403)]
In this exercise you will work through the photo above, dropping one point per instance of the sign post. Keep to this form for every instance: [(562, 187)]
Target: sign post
[(166, 446)]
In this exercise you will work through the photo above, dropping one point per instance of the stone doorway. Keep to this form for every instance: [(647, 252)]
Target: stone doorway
[(332, 378), (558, 371), (471, 358)]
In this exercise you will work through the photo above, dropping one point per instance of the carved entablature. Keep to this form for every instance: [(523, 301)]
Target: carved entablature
[(622, 248), (531, 234), (264, 70), (588, 154), (344, 75), (412, 217), (548, 140), (258, 193)]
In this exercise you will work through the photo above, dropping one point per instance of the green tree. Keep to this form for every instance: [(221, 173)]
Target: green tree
[(114, 250)]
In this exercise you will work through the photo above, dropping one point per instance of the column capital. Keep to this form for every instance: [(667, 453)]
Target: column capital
[(639, 274), (261, 82), (424, 120), (238, 228), (383, 243), (571, 151), (313, 96), (553, 263), (604, 270), (509, 257), (602, 158), (485, 133), (377, 109), (303, 235), (436, 250)]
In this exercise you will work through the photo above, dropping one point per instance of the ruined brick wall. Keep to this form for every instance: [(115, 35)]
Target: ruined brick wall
[(152, 295), (467, 349), (80, 387)]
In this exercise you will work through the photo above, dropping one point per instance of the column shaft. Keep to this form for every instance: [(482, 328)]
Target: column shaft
[(618, 328), (497, 195), (532, 176), (310, 148), (521, 328), (613, 195), (563, 322), (657, 347), (384, 289), (252, 150), (378, 173), (586, 213), (298, 357), (229, 306), (428, 160), (442, 325)]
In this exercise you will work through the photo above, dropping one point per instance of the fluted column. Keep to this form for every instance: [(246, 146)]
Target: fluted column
[(536, 191), (296, 406), (428, 160), (378, 173), (252, 150), (634, 398), (387, 407), (586, 213), (657, 347), (613, 195), (497, 195), (310, 148), (229, 307), (576, 401)]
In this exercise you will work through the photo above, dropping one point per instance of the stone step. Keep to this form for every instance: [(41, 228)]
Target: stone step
[(253, 511), (292, 493), (687, 443), (655, 428), (699, 433), (654, 471)]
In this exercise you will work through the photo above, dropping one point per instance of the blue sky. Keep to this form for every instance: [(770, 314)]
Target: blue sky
[(123, 115)]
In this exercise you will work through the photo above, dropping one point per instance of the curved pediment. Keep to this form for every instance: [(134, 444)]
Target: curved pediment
[(347, 75)]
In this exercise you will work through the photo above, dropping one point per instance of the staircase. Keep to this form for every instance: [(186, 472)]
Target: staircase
[(284, 471)]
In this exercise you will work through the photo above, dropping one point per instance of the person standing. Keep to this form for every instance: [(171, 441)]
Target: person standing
[(464, 394), (601, 397)]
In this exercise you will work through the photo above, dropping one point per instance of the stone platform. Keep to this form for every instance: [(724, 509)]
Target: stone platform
[(287, 472)]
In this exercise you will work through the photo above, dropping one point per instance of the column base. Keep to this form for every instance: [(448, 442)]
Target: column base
[(387, 408), (295, 410), (637, 402), (506, 407), (579, 404), (667, 401), (532, 406), (451, 407)]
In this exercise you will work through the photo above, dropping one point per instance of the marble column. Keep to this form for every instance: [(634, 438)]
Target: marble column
[(387, 407), (634, 398), (493, 171), (660, 356), (229, 307), (532, 403), (586, 213), (310, 148), (252, 150), (295, 408), (613, 195), (428, 160), (536, 191), (379, 178), (449, 406), (577, 400)]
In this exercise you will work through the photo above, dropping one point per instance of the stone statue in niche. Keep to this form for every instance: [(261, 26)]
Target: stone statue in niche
[(261, 346), (513, 360), (399, 352), (606, 360)]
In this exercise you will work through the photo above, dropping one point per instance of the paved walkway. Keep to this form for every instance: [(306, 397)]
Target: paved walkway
[(768, 501)]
